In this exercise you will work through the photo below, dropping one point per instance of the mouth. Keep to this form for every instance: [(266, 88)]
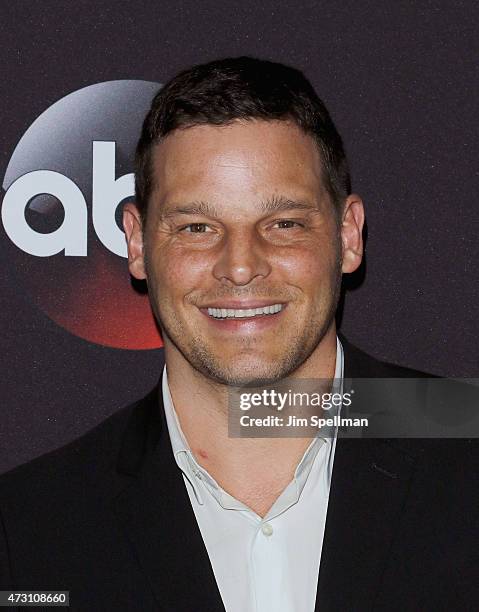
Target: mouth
[(244, 316), (244, 313)]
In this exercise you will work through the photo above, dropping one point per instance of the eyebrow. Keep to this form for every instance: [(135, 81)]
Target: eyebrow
[(271, 205)]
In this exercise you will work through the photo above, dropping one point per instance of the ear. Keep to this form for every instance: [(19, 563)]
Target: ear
[(132, 225), (352, 233)]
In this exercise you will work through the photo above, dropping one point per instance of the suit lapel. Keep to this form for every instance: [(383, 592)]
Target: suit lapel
[(369, 485), (368, 489), (156, 514)]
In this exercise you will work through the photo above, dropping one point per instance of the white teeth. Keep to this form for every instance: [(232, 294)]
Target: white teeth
[(238, 313)]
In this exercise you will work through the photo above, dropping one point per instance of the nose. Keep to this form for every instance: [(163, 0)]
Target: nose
[(242, 259)]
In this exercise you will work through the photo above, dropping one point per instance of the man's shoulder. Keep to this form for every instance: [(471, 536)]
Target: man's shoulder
[(88, 458), (403, 394), (57, 511), (360, 364)]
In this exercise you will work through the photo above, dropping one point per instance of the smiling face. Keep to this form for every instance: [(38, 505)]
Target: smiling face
[(242, 249)]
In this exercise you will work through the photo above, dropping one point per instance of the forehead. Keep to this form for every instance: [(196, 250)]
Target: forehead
[(245, 156)]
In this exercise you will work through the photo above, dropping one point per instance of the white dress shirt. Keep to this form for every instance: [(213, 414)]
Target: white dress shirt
[(268, 564)]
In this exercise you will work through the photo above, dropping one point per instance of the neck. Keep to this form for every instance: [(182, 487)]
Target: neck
[(239, 465)]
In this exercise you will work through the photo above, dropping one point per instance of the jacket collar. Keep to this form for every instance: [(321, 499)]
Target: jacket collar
[(368, 489), (156, 515), (369, 486)]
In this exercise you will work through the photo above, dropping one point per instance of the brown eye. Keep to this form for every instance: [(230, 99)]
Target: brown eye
[(287, 224), (196, 228)]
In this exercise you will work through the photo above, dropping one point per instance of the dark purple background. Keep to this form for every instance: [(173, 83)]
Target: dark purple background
[(401, 82)]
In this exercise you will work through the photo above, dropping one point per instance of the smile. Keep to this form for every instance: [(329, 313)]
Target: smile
[(241, 313)]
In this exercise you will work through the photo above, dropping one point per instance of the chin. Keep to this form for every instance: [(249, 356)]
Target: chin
[(242, 379), (244, 370)]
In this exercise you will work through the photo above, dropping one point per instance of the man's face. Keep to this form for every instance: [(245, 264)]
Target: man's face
[(239, 220)]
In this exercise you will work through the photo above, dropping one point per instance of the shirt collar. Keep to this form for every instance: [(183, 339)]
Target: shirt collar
[(305, 465), (180, 447), (194, 472)]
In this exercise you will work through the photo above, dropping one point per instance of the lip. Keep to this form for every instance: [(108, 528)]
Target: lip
[(241, 304), (245, 325)]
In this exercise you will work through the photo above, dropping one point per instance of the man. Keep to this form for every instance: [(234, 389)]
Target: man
[(243, 225)]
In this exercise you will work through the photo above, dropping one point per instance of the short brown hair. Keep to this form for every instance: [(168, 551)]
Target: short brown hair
[(230, 89)]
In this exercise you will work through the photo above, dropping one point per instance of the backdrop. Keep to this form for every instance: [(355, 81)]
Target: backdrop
[(400, 80)]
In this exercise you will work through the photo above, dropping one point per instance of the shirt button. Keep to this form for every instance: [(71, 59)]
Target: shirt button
[(266, 529)]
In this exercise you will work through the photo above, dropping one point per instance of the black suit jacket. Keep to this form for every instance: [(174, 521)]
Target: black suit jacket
[(108, 518)]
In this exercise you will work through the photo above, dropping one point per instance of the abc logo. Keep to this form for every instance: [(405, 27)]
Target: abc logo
[(71, 236), (64, 188)]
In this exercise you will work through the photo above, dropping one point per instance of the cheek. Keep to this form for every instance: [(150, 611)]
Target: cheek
[(311, 267), (177, 273)]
